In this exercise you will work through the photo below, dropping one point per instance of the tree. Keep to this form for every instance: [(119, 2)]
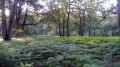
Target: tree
[(7, 31), (4, 27), (15, 16), (118, 5)]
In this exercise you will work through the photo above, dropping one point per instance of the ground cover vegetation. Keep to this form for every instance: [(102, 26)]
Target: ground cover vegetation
[(47, 51)]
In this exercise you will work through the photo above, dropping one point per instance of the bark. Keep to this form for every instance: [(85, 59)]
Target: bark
[(118, 5), (89, 31), (80, 22), (4, 27), (68, 24), (80, 28), (83, 23), (18, 15), (94, 34), (59, 27), (112, 31), (7, 32), (63, 26), (11, 20), (16, 19), (68, 17), (25, 18)]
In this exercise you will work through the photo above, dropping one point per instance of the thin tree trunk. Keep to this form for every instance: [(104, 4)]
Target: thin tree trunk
[(83, 22), (68, 24), (25, 18), (94, 34), (112, 31), (18, 15), (63, 26), (118, 5), (68, 17), (80, 22), (16, 18), (89, 32), (59, 27), (81, 30)]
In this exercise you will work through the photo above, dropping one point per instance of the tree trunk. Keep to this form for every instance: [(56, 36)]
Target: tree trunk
[(11, 20), (112, 31), (63, 26), (25, 18), (68, 17), (68, 24), (89, 32), (18, 15), (7, 34), (63, 33), (59, 27), (118, 5), (83, 22), (94, 34), (80, 28), (80, 22), (4, 26)]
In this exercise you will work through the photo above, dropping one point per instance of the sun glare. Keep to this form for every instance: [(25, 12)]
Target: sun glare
[(110, 3), (7, 12)]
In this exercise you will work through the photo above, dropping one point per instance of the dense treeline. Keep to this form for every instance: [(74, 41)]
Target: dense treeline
[(58, 17)]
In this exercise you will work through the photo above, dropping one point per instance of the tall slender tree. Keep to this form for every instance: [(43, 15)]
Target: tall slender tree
[(118, 5)]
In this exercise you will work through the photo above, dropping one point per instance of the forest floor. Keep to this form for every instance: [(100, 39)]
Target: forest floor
[(49, 51)]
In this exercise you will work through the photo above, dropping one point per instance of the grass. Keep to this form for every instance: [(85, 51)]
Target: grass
[(48, 51), (91, 40)]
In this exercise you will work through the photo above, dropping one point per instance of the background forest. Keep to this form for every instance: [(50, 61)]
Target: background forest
[(60, 17)]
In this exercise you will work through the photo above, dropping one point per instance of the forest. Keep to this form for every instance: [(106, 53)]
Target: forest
[(59, 33)]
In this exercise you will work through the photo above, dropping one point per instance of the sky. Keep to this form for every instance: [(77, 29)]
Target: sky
[(109, 3)]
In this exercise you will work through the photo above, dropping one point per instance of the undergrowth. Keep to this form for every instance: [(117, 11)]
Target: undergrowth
[(42, 51)]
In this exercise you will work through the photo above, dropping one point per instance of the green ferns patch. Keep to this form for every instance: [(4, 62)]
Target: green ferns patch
[(47, 51)]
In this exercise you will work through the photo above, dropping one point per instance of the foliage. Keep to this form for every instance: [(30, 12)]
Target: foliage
[(47, 51), (17, 31)]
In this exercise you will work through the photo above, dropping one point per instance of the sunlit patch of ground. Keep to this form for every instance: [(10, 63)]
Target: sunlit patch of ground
[(23, 39), (1, 39)]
